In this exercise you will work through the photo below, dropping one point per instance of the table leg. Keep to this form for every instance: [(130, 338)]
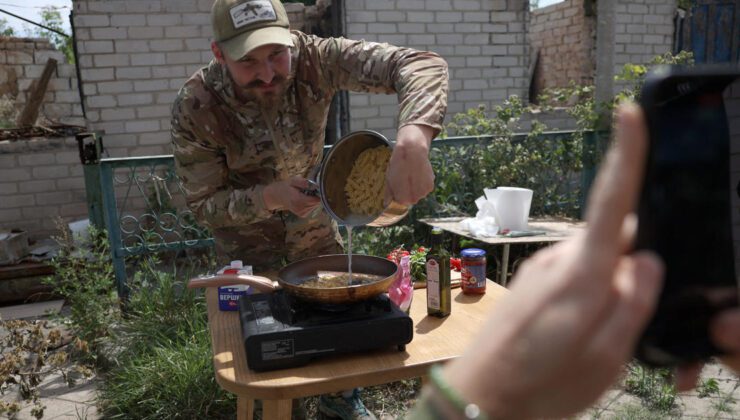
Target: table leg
[(277, 409), (504, 266), (244, 408)]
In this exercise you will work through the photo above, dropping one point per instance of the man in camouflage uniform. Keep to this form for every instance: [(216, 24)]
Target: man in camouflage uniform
[(248, 128)]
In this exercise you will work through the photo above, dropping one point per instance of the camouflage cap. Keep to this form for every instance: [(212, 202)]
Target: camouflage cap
[(240, 26)]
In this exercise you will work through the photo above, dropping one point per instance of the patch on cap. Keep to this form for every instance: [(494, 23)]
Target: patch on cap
[(252, 11)]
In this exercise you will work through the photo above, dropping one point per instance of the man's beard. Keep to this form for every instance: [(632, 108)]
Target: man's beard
[(266, 100)]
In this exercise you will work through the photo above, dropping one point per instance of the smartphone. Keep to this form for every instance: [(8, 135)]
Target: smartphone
[(685, 212)]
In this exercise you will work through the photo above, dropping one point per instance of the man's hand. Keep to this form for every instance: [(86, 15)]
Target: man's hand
[(287, 195), (575, 311), (410, 177)]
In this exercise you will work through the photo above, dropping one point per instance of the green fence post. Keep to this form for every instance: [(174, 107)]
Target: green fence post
[(90, 154), (114, 229)]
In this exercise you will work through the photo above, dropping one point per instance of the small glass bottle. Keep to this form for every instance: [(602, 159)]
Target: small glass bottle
[(473, 274), (439, 297)]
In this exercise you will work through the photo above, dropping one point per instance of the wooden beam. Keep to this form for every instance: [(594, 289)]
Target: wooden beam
[(36, 97)]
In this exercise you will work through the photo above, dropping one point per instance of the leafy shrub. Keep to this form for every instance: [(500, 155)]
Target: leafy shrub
[(84, 277), (547, 165)]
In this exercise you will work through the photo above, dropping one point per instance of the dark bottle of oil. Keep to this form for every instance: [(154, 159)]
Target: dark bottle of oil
[(439, 299)]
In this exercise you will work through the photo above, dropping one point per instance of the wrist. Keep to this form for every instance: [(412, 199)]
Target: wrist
[(415, 137)]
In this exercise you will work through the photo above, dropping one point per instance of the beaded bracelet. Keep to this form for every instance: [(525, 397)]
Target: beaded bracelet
[(468, 410)]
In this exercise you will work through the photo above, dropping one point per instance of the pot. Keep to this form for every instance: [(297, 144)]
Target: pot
[(294, 274), (331, 177)]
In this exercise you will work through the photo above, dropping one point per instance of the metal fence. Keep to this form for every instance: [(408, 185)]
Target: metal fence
[(145, 211)]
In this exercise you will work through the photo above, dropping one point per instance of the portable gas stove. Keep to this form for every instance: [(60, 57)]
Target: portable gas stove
[(280, 331)]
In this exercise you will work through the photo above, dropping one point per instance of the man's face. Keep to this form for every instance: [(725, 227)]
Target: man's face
[(263, 74)]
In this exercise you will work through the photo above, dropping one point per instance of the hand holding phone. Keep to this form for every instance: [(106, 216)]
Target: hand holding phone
[(685, 209)]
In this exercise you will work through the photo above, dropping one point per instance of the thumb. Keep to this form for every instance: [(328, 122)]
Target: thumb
[(299, 182)]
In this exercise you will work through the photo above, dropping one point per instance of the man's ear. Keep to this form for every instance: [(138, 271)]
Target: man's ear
[(217, 52)]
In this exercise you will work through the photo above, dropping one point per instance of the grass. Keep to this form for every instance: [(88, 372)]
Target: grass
[(164, 369), (653, 386), (637, 412)]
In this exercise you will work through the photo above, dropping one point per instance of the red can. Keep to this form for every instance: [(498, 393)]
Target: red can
[(473, 271)]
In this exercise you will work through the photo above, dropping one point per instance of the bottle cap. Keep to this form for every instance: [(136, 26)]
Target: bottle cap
[(472, 253)]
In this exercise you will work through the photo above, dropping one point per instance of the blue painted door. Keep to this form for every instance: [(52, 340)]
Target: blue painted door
[(711, 30)]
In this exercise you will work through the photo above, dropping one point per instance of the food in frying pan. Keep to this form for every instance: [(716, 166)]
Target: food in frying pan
[(328, 281), (365, 187)]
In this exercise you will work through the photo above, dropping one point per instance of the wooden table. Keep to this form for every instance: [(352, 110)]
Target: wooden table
[(555, 229), (435, 340)]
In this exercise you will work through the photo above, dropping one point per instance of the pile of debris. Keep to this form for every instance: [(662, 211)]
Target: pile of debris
[(52, 130)]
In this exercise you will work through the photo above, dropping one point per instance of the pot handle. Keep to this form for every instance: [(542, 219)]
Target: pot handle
[(313, 189), (263, 284)]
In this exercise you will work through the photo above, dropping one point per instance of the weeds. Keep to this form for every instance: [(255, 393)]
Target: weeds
[(163, 368), (84, 277), (707, 388), (653, 386), (638, 412), (155, 356), (725, 402)]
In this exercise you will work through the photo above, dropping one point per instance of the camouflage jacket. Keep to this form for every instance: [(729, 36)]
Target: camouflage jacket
[(227, 150)]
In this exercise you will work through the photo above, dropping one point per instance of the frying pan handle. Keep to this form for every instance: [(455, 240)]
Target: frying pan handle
[(263, 284)]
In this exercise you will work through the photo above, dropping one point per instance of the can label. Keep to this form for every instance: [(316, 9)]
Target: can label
[(474, 276), (229, 296)]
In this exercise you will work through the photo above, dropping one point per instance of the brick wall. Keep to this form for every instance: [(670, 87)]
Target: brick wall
[(563, 36), (483, 42), (40, 180), (22, 61), (644, 29), (133, 58)]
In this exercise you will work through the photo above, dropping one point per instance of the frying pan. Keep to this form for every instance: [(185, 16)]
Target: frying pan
[(292, 275)]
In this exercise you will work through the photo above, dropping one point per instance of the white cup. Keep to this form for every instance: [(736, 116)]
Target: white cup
[(512, 206)]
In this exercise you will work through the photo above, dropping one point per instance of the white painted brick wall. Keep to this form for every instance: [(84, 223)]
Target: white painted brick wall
[(22, 61), (644, 29), (472, 35), (40, 180), (134, 60)]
